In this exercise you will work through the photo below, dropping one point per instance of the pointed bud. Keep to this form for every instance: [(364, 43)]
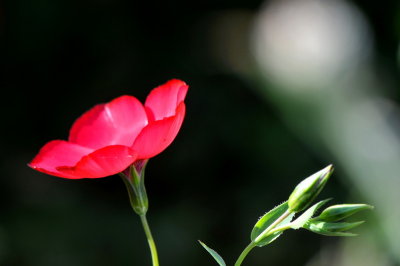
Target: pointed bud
[(305, 192), (339, 212), (331, 229)]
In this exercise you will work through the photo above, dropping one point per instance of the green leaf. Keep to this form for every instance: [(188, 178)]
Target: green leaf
[(266, 220), (307, 215), (214, 254)]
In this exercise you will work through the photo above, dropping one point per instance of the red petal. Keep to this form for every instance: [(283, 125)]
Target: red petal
[(107, 161), (163, 100), (116, 123), (56, 153), (158, 135)]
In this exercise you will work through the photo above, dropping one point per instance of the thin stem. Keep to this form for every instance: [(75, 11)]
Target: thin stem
[(244, 253), (150, 240), (280, 228)]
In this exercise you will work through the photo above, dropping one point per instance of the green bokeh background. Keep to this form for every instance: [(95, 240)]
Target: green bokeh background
[(233, 159)]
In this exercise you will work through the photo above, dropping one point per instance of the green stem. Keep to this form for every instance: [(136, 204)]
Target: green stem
[(280, 229), (244, 253), (150, 240)]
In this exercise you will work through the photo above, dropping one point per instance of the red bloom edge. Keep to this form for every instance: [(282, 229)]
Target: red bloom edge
[(110, 137)]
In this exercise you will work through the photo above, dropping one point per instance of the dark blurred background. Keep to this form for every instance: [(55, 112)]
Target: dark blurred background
[(278, 90)]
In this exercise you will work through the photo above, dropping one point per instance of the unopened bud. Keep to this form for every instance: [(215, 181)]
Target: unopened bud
[(339, 212), (331, 229), (308, 189)]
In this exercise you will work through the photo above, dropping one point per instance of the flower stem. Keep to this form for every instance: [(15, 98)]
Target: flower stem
[(244, 253), (150, 240)]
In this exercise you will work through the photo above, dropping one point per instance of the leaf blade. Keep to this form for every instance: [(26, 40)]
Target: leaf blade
[(214, 254), (266, 220)]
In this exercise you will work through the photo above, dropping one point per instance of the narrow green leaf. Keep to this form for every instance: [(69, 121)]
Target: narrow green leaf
[(266, 220), (307, 215), (214, 254)]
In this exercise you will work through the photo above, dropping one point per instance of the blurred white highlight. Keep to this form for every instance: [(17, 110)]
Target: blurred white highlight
[(309, 43)]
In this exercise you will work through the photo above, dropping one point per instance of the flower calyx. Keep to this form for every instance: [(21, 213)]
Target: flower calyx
[(133, 178)]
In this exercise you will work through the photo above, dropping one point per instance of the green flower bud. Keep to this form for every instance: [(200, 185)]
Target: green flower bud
[(331, 229), (339, 212), (308, 189)]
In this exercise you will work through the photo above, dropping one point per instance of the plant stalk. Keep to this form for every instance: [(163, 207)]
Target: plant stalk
[(244, 253), (150, 240)]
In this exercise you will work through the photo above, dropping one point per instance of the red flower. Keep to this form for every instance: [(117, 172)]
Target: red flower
[(110, 137)]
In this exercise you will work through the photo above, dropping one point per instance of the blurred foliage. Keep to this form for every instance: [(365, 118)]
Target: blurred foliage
[(233, 159)]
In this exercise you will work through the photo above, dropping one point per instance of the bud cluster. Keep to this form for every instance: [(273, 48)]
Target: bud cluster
[(329, 222)]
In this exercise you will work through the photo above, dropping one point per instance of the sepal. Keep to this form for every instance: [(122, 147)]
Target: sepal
[(133, 178)]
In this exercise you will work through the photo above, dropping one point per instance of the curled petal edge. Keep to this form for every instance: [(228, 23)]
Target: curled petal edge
[(103, 162), (163, 101), (158, 135)]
